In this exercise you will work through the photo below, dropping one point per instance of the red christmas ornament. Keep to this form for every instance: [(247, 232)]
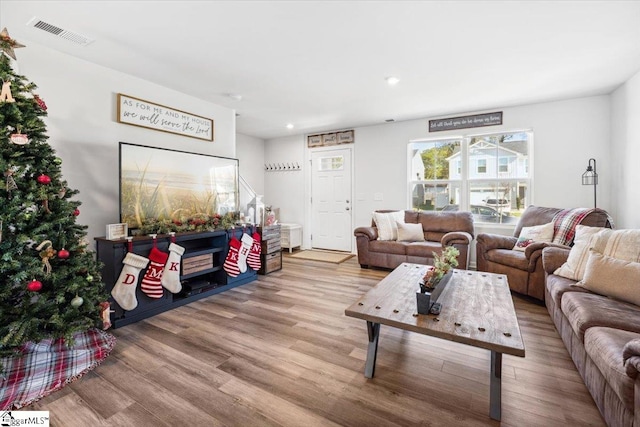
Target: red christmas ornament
[(63, 253), (76, 212), (34, 286), (40, 102), (44, 179)]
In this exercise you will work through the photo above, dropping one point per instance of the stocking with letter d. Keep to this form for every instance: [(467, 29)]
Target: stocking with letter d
[(124, 291)]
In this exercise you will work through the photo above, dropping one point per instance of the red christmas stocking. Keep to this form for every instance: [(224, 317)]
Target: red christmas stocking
[(124, 292), (253, 259), (231, 263), (152, 280)]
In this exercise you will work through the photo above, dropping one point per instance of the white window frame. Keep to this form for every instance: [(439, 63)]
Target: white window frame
[(465, 181)]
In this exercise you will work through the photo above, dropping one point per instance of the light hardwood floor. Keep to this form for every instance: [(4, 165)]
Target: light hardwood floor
[(280, 352)]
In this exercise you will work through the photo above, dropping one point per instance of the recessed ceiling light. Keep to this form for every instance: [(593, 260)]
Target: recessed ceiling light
[(392, 81), (235, 96), (289, 126)]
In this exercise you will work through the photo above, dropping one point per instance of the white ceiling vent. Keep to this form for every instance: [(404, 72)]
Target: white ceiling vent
[(71, 36)]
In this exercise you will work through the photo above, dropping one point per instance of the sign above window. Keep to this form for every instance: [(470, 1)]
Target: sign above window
[(464, 122)]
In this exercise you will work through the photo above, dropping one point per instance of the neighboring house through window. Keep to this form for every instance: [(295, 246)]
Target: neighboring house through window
[(486, 174)]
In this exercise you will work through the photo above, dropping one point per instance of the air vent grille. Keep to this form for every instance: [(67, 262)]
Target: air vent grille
[(71, 36)]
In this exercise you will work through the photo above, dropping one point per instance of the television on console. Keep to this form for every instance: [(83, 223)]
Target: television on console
[(160, 184)]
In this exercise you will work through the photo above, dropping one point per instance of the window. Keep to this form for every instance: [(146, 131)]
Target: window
[(482, 165), (487, 175), (331, 163), (503, 164)]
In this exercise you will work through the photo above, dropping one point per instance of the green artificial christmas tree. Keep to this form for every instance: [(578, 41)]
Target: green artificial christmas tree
[(50, 285)]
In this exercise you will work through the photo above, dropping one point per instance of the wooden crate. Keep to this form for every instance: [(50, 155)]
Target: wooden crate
[(271, 245), (197, 263), (271, 262)]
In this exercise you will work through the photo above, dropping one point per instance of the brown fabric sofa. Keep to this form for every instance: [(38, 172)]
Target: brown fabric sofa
[(495, 254), (602, 336), (440, 229)]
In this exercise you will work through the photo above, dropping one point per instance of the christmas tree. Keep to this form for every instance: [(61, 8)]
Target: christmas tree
[(50, 285)]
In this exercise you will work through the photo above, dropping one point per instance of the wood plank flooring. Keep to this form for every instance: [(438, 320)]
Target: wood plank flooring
[(280, 352)]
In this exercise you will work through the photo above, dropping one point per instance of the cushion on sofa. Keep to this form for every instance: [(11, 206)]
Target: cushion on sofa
[(612, 277), (587, 310), (538, 233), (386, 223), (408, 232), (508, 257), (605, 346), (574, 267), (423, 249), (620, 244), (558, 285), (390, 247)]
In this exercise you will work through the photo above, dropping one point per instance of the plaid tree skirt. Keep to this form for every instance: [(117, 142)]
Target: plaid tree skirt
[(49, 365)]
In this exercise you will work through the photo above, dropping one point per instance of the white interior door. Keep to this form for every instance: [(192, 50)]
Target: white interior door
[(331, 203)]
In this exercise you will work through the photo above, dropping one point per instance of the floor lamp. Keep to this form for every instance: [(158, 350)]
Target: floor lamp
[(590, 177)]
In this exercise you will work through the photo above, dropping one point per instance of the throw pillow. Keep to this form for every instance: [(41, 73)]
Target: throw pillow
[(386, 224), (537, 233), (409, 232), (612, 277), (576, 262), (620, 244)]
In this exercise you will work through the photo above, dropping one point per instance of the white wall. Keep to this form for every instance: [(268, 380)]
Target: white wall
[(82, 126), (625, 144), (286, 189), (250, 152), (566, 134)]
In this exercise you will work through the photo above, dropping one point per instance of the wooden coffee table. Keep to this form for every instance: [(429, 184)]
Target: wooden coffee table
[(477, 310)]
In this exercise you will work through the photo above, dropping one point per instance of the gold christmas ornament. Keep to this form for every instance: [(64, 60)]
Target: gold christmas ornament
[(7, 44), (46, 252)]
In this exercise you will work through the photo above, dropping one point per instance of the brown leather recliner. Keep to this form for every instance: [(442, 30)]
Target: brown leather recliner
[(524, 270), (440, 229)]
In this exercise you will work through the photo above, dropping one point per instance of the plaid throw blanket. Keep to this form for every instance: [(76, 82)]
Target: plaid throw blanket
[(49, 365), (564, 224)]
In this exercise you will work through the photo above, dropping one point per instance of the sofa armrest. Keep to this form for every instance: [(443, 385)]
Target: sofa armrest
[(456, 238), (495, 241), (553, 257), (370, 232), (533, 252), (631, 357)]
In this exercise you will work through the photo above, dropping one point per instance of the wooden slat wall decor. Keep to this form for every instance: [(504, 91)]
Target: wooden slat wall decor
[(332, 138)]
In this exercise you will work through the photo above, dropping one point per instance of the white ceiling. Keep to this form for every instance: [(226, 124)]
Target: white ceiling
[(321, 65)]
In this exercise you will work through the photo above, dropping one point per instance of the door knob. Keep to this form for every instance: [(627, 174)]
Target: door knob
[(347, 208)]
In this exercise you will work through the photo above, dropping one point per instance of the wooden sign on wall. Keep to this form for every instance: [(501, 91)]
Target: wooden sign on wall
[(463, 122), (138, 112), (333, 138)]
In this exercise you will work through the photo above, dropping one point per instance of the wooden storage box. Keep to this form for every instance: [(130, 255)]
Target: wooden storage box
[(197, 263), (271, 262), (269, 246)]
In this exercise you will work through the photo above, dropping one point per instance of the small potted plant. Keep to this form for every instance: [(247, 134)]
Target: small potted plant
[(442, 264)]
